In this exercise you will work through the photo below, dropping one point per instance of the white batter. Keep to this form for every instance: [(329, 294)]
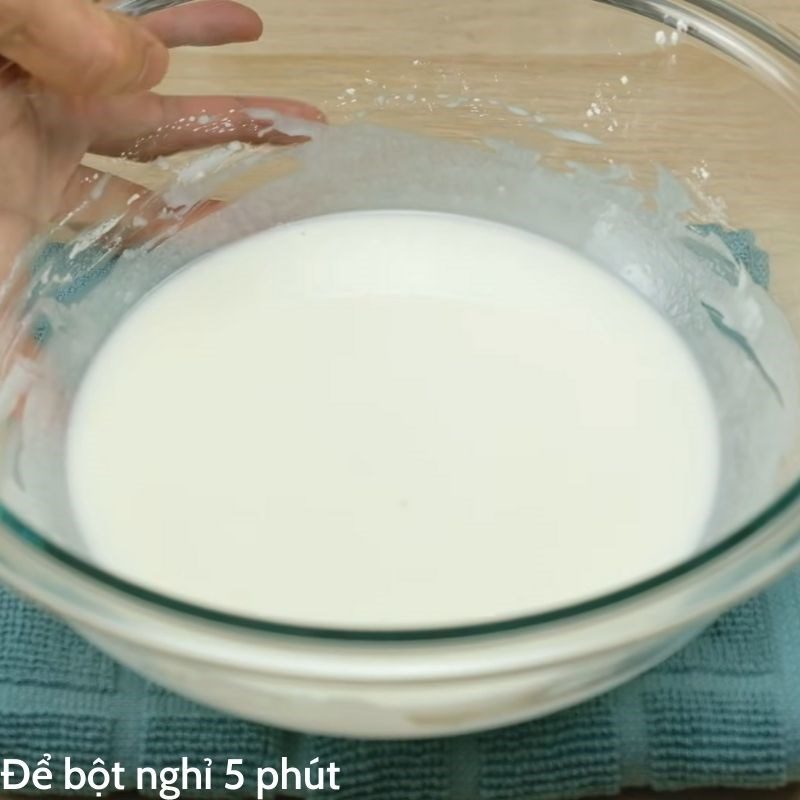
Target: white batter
[(392, 419)]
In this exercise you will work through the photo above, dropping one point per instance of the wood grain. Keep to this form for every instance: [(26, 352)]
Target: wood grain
[(337, 55)]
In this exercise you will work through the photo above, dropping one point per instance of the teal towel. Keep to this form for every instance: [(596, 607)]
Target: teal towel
[(723, 712)]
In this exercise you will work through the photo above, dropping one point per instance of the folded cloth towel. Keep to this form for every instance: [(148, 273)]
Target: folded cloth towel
[(723, 712)]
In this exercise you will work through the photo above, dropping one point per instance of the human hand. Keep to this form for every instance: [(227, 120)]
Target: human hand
[(75, 78)]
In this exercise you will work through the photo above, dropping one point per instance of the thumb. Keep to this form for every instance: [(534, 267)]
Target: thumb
[(79, 48)]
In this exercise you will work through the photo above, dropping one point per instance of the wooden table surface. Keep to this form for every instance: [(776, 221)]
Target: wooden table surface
[(286, 53)]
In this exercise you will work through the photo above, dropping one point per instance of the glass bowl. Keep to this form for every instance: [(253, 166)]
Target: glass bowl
[(687, 109)]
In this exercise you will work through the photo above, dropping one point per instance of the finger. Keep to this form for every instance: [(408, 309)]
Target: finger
[(16, 344), (205, 23), (16, 230), (93, 197), (79, 48), (150, 125)]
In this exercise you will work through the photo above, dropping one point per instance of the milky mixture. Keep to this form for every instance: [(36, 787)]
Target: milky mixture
[(686, 273)]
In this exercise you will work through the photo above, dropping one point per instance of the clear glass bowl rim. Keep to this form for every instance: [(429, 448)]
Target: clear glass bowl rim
[(779, 41)]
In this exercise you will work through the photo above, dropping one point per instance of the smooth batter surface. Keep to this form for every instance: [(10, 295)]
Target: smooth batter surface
[(392, 419)]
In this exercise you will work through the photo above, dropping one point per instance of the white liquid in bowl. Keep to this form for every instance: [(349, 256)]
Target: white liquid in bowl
[(392, 420)]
